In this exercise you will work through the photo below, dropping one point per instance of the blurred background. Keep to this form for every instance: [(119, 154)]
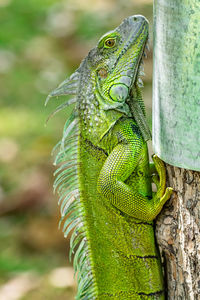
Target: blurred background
[(41, 43)]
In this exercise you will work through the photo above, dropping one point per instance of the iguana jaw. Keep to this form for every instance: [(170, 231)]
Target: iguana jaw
[(134, 100), (134, 51)]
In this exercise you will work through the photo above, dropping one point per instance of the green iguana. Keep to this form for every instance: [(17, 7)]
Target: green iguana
[(104, 176)]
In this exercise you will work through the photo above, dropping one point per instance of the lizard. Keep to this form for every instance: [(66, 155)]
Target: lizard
[(104, 178)]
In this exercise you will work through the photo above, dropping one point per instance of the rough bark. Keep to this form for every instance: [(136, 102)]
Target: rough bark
[(177, 231)]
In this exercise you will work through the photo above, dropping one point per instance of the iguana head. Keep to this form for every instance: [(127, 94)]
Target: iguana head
[(110, 72), (106, 77), (115, 62)]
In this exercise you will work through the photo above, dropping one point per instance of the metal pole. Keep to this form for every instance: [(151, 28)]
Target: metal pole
[(176, 83)]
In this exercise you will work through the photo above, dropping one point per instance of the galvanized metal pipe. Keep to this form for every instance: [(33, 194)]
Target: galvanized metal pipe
[(176, 83)]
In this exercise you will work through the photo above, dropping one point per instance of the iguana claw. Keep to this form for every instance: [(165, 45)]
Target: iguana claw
[(167, 194)]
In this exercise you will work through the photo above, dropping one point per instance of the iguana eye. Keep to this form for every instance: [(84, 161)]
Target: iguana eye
[(110, 43)]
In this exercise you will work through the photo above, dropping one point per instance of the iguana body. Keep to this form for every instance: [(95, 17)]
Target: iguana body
[(105, 178)]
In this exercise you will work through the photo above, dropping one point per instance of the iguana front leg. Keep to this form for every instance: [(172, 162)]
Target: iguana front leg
[(119, 165)]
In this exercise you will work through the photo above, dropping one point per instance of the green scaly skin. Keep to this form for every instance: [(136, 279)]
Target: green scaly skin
[(113, 211)]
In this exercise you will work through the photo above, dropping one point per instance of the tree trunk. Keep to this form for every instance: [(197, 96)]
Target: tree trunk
[(178, 235)]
